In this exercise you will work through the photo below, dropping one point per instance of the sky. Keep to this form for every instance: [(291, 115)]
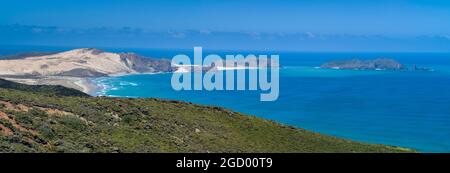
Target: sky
[(309, 25)]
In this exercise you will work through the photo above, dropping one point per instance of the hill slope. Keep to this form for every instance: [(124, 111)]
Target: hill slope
[(42, 89), (32, 121)]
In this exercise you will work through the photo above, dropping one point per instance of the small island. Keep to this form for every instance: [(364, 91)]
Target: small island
[(374, 64)]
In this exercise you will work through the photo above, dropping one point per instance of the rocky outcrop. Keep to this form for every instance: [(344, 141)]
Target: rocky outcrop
[(146, 65)]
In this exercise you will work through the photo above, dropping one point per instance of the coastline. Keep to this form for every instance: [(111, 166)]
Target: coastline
[(84, 84), (87, 85)]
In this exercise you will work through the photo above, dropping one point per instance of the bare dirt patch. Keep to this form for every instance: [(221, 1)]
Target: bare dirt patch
[(16, 125), (19, 107), (5, 130)]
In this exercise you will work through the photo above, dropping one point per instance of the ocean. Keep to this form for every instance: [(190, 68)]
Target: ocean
[(400, 108)]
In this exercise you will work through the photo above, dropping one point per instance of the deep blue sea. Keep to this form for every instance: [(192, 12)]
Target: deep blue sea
[(409, 109)]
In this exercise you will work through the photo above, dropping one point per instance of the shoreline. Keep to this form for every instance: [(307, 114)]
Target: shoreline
[(83, 84), (87, 85)]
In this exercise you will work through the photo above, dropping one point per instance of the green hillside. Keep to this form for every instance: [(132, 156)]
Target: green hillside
[(42, 89), (56, 119)]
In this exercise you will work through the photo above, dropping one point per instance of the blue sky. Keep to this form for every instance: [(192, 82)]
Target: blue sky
[(344, 25)]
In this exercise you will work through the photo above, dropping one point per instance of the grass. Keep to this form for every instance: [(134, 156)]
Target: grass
[(102, 124)]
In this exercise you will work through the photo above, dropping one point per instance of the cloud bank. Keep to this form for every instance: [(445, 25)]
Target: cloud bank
[(225, 40)]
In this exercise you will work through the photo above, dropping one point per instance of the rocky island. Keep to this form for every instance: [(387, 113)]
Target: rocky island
[(375, 64), (357, 64)]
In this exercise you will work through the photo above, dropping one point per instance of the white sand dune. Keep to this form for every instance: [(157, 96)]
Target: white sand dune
[(87, 59)]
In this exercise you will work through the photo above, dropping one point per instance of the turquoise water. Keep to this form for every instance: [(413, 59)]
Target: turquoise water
[(409, 109)]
